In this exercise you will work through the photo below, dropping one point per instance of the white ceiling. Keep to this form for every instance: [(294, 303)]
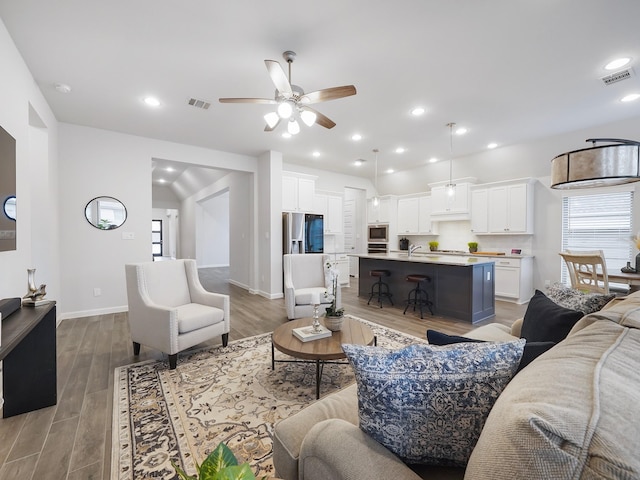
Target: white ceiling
[(508, 70)]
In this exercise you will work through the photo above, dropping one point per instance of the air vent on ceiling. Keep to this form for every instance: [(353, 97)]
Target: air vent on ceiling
[(618, 76), (194, 102)]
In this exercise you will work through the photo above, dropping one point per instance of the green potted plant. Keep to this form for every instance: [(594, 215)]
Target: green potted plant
[(221, 464), (473, 247), (433, 246)]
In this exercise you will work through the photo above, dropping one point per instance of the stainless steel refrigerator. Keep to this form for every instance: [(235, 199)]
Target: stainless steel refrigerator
[(302, 233)]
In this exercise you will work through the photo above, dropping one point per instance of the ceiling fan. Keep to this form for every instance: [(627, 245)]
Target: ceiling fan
[(291, 100)]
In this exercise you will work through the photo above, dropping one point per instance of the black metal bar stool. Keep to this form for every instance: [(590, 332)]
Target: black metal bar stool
[(380, 288), (420, 295)]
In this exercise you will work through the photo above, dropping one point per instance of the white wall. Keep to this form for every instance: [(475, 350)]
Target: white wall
[(212, 231), (96, 162), (25, 115)]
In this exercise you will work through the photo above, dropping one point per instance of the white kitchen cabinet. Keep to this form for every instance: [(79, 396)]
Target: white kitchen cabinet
[(298, 192), (408, 216), (342, 265), (503, 208), (480, 210), (514, 278), (384, 212), (330, 206), (414, 216)]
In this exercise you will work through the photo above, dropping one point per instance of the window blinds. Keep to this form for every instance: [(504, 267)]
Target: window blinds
[(599, 222)]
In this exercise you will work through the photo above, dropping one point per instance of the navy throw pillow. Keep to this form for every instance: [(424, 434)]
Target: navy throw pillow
[(532, 350), (546, 321)]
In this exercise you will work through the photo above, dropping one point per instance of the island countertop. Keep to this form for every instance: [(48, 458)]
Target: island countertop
[(459, 260), (459, 286)]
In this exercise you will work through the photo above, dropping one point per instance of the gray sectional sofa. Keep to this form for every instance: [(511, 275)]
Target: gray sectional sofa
[(573, 413)]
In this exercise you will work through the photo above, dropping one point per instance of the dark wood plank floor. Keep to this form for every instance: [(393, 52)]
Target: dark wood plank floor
[(72, 440)]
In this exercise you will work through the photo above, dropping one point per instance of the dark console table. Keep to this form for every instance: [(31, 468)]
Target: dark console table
[(28, 354)]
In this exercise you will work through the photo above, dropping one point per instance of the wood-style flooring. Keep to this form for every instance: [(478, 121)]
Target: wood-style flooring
[(72, 440)]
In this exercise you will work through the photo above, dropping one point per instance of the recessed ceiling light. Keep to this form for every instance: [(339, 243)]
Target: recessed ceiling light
[(286, 135), (630, 98), (358, 163), (417, 111), (617, 63), (152, 101), (433, 160), (162, 180), (390, 170), (62, 87), (356, 137), (492, 145), (400, 150), (169, 169), (461, 131), (316, 154)]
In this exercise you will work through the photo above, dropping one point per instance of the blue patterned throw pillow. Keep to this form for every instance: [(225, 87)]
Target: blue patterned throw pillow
[(426, 403)]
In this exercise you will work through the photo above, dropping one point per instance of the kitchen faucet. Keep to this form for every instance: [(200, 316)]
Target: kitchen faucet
[(413, 248)]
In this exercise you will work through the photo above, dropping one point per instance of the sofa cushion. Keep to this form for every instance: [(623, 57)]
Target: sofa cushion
[(428, 404), (585, 302), (546, 321), (572, 414), (532, 350)]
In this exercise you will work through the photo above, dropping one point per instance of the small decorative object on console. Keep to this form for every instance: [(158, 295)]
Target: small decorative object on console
[(35, 296), (628, 268)]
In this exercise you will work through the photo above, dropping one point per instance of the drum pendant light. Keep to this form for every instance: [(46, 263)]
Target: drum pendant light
[(598, 166)]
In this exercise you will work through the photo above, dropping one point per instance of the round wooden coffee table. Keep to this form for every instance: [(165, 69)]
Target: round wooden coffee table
[(319, 351)]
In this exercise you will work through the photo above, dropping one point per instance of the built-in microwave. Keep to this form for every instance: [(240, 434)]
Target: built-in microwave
[(378, 233)]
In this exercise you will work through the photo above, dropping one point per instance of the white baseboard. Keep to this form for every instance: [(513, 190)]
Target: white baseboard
[(92, 313)]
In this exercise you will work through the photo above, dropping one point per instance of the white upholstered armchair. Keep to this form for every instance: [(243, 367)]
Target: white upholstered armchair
[(304, 275), (170, 310)]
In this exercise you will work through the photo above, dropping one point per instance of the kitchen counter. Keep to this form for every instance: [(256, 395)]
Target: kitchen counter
[(461, 286), (460, 254)]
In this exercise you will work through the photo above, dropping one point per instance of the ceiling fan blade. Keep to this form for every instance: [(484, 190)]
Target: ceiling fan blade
[(279, 78), (328, 94), (267, 128), (321, 119), (266, 101)]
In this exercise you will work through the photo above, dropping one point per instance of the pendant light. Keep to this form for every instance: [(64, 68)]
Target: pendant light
[(376, 200), (451, 187), (597, 166)]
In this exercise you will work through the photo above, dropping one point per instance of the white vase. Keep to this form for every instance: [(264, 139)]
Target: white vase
[(334, 323)]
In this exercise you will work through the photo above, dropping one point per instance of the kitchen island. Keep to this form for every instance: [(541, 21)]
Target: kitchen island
[(461, 286)]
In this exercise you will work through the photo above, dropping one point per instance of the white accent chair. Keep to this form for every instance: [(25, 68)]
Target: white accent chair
[(304, 275), (170, 310)]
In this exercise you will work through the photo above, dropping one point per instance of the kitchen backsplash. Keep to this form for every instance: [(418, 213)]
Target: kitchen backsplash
[(456, 235)]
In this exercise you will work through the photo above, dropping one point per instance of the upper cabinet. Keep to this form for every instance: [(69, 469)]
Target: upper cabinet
[(298, 192), (450, 207), (384, 212), (414, 216), (330, 206), (503, 208)]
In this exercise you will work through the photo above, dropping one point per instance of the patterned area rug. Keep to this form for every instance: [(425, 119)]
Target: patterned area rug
[(215, 395)]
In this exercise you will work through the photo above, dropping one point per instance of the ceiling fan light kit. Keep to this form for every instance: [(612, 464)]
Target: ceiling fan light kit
[(598, 166), (291, 100)]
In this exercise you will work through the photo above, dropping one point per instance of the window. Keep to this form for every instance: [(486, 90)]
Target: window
[(601, 221), (156, 238)]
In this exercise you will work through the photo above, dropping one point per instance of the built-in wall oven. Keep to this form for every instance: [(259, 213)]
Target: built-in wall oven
[(378, 234), (377, 247)]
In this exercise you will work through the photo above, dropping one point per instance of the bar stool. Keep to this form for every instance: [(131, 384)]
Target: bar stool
[(420, 295), (380, 288)]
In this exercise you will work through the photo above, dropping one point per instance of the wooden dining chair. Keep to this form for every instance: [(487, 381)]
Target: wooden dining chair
[(584, 267)]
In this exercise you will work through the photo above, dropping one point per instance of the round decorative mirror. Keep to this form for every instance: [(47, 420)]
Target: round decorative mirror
[(105, 213), (9, 207)]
